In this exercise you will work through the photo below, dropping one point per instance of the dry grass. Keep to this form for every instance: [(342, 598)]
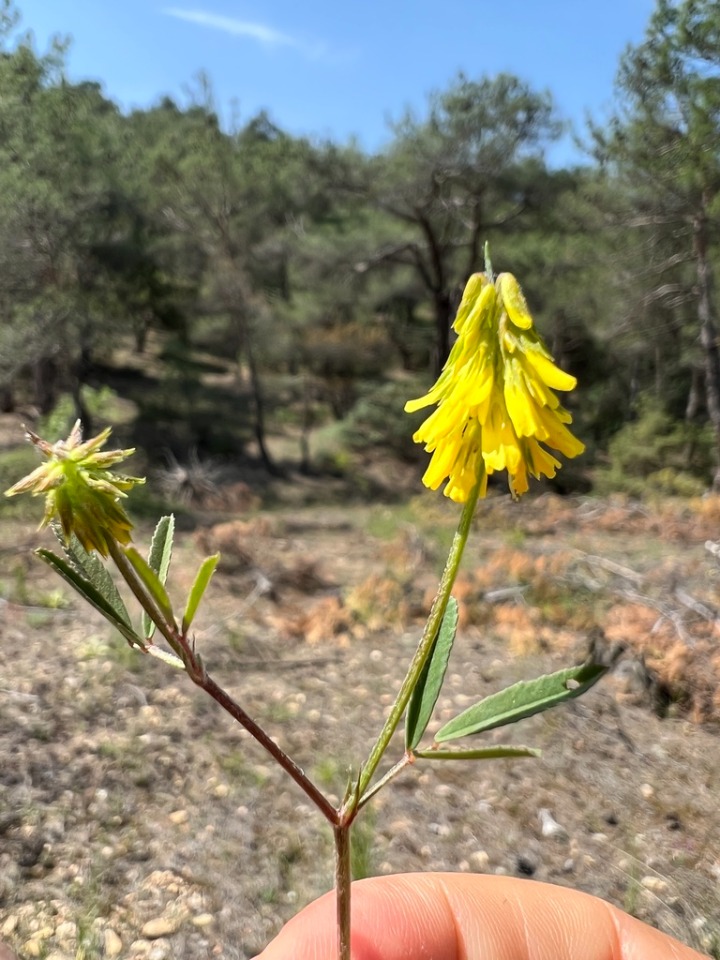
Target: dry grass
[(125, 797)]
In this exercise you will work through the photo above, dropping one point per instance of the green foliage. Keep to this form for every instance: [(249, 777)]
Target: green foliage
[(499, 752), (101, 402), (200, 585), (84, 586), (151, 581), (427, 690), (159, 561), (657, 454), (521, 700), (656, 147), (378, 421), (91, 568), (17, 462), (341, 269), (361, 850)]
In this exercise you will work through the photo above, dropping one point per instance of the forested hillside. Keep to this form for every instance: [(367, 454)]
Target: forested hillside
[(317, 282)]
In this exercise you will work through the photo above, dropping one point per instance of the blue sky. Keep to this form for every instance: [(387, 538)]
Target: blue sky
[(332, 69)]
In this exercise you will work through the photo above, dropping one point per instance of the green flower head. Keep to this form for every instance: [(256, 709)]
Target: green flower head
[(79, 489)]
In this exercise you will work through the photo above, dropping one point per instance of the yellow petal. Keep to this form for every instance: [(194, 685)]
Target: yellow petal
[(513, 300), (470, 303), (551, 375)]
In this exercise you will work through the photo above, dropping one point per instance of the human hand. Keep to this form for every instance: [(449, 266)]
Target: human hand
[(451, 916)]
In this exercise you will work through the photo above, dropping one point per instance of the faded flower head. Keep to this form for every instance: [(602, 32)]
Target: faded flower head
[(496, 409), (80, 491)]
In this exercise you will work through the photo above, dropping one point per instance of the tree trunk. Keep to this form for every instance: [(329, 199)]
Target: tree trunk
[(141, 328), (443, 319), (79, 375), (45, 383), (81, 411), (259, 404), (694, 400), (708, 330), (7, 400)]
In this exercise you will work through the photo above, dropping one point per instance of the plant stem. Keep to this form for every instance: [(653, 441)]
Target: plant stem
[(405, 761), (437, 611), (127, 572), (197, 673), (287, 763), (343, 880)]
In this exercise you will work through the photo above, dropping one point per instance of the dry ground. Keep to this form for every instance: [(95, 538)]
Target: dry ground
[(137, 821)]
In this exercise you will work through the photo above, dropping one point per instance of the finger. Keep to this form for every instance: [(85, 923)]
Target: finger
[(471, 917)]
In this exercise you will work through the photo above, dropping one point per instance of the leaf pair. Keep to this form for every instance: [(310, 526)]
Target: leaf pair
[(521, 700), (154, 576), (89, 577)]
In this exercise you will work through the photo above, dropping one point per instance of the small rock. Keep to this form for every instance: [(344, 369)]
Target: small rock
[(655, 884), (203, 920), (160, 950), (32, 948), (55, 828), (439, 829), (112, 942), (178, 816), (160, 927), (66, 931), (569, 865), (10, 925), (221, 790), (140, 946), (647, 790), (549, 827), (401, 825), (480, 860)]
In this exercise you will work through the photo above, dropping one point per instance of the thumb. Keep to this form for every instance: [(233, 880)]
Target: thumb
[(472, 917)]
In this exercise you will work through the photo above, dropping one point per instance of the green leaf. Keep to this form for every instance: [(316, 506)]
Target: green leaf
[(151, 582), (159, 561), (427, 690), (202, 579), (92, 569), (483, 753), (521, 700), (89, 592)]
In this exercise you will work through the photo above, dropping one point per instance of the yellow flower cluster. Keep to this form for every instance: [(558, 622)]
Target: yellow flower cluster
[(79, 489), (495, 402)]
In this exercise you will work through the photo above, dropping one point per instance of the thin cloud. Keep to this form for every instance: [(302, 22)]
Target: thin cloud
[(265, 35)]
